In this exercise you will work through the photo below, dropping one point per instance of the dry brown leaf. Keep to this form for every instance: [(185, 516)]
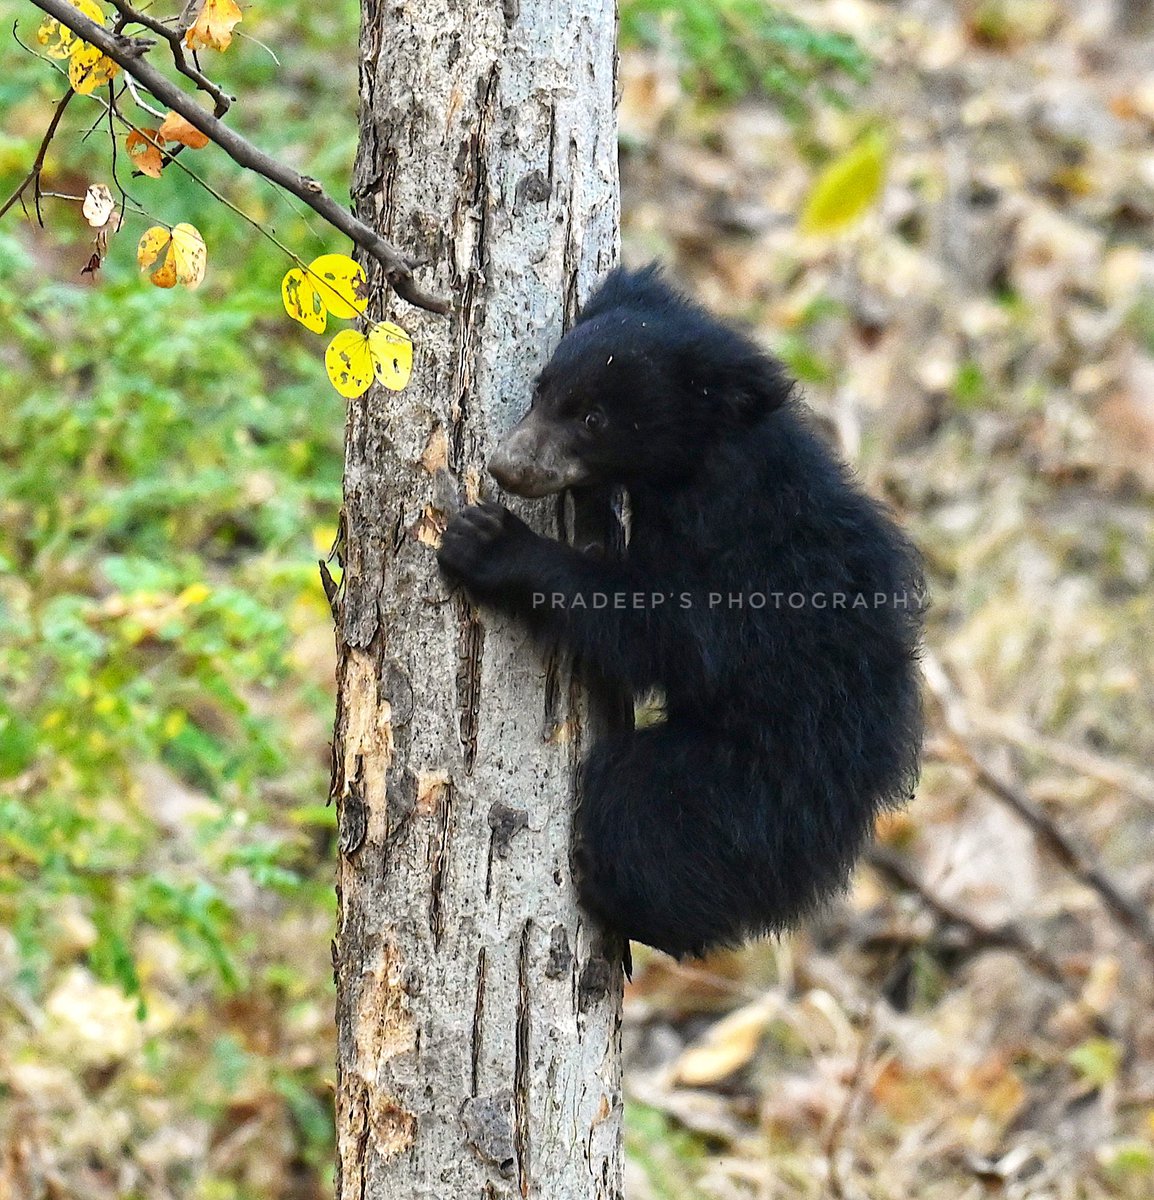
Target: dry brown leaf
[(727, 1046), (907, 1095), (98, 205), (213, 27), (174, 128), (145, 153)]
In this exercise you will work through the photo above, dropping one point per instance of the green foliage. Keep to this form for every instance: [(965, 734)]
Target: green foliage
[(670, 1157), (156, 509), (971, 388), (159, 490), (168, 464), (1142, 319), (733, 47)]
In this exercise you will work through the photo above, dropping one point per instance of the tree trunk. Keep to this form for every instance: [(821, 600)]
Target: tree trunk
[(478, 1014)]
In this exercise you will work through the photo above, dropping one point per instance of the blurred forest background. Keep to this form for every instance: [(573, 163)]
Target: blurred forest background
[(977, 1018)]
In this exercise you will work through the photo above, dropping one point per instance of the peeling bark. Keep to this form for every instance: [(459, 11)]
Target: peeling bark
[(478, 1012)]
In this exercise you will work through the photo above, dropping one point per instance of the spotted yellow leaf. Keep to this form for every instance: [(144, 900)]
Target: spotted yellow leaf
[(213, 26), (58, 40), (349, 363), (302, 301), (88, 69), (354, 359), (848, 187), (176, 257), (340, 282), (191, 255), (152, 242), (392, 353), (164, 275)]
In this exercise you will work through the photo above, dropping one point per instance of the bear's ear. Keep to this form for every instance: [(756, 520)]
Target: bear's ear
[(642, 291), (753, 386)]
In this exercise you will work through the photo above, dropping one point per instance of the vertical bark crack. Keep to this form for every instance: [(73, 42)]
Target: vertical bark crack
[(521, 1065), (478, 1023), (470, 651), (438, 860)]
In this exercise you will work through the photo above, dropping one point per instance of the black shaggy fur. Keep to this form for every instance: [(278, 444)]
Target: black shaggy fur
[(793, 716)]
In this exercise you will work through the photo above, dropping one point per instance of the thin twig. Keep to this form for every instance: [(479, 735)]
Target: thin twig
[(175, 39), (1079, 860), (133, 207), (113, 112), (1115, 774), (841, 1123), (141, 102), (1007, 936), (33, 175), (128, 54), (322, 284)]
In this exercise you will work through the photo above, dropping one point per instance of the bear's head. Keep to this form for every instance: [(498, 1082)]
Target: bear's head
[(637, 395)]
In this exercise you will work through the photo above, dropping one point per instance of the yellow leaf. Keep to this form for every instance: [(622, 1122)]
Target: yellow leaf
[(174, 128), (349, 363), (302, 301), (212, 29), (190, 255), (165, 274), (174, 723), (848, 187), (183, 260), (144, 152), (392, 354), (58, 40), (152, 242), (352, 359), (88, 69), (195, 593), (339, 281), (726, 1046), (324, 538)]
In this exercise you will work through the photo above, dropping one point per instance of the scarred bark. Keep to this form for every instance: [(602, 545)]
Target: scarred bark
[(478, 1013)]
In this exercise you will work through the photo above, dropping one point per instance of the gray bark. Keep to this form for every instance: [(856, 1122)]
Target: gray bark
[(478, 1011)]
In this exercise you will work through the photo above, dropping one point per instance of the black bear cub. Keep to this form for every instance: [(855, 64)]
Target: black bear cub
[(773, 603)]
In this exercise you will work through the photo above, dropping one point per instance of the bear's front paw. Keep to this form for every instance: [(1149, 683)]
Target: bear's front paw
[(484, 547)]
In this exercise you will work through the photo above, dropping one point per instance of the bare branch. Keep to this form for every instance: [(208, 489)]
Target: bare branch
[(128, 54), (1077, 859), (175, 39), (1007, 936), (867, 1049), (1109, 771), (33, 175)]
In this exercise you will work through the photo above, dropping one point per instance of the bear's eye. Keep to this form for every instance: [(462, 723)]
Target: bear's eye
[(595, 420)]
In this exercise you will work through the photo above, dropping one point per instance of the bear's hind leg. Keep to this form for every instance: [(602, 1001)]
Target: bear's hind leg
[(655, 858)]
